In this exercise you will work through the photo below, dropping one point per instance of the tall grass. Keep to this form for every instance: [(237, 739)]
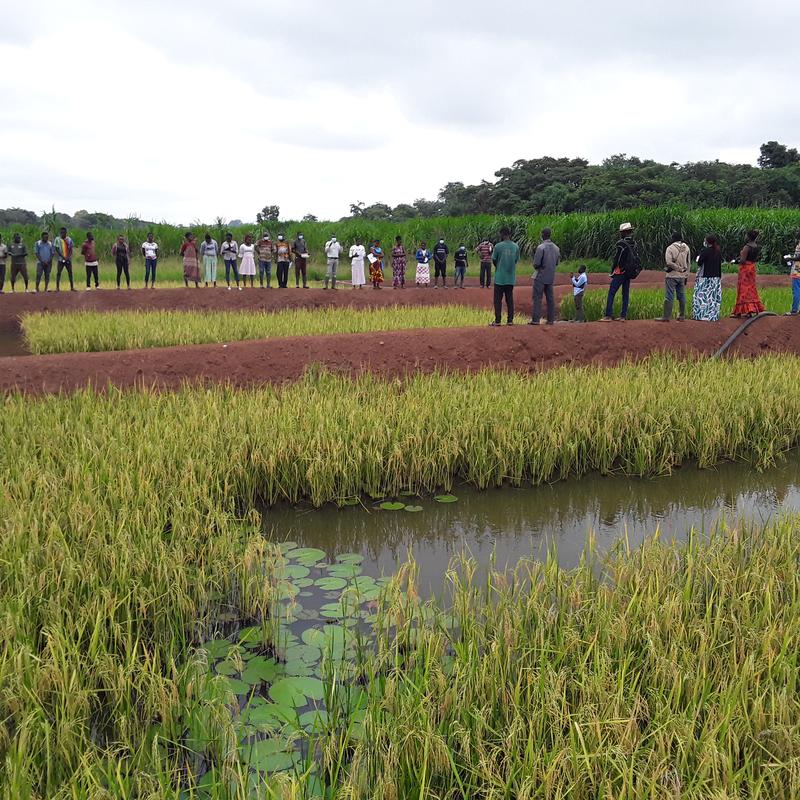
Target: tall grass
[(124, 525), (579, 235), (86, 331), (649, 303)]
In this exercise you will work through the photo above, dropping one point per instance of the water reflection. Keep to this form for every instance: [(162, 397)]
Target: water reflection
[(514, 523)]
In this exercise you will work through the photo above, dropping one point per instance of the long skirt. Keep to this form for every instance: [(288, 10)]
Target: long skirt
[(248, 265), (707, 299), (191, 269), (210, 263), (747, 299), (398, 271), (357, 272), (423, 273), (376, 273)]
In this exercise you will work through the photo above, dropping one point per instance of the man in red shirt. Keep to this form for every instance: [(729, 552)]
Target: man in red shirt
[(484, 251)]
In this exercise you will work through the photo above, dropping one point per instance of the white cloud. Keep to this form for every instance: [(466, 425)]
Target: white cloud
[(195, 109)]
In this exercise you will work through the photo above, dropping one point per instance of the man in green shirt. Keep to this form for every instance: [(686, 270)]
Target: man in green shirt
[(505, 258)]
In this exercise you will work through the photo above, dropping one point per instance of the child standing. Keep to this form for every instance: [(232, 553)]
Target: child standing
[(461, 266), (794, 274), (579, 284), (423, 256), (376, 264)]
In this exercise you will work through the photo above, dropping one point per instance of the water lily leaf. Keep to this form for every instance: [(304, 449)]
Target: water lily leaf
[(306, 554), (285, 692), (260, 669), (413, 509), (237, 686), (268, 716), (217, 648), (286, 591), (393, 506), (316, 719), (408, 494), (349, 501), (343, 570), (286, 547), (300, 669), (331, 584), (306, 594), (303, 583), (350, 558), (269, 755), (332, 611), (304, 652), (227, 668), (312, 688), (315, 637), (446, 498), (294, 571)]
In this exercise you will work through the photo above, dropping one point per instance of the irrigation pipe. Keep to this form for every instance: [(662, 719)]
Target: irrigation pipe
[(740, 330)]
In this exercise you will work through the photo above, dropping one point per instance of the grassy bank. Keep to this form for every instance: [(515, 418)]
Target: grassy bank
[(88, 331), (649, 303), (579, 235), (126, 529)]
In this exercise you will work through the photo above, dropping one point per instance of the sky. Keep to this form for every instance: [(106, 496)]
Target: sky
[(183, 110)]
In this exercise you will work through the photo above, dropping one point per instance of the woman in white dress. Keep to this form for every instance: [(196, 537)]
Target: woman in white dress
[(248, 265), (357, 255)]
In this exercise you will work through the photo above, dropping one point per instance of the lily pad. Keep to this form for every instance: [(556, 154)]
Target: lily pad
[(304, 652), (269, 755), (227, 668), (303, 583), (316, 719), (268, 716), (343, 570), (349, 501), (350, 558), (292, 571), (217, 648), (237, 686), (413, 509), (393, 506), (331, 584), (446, 498), (260, 669), (306, 554), (285, 547), (296, 691)]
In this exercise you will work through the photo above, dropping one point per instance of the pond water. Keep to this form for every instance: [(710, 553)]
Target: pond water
[(509, 524)]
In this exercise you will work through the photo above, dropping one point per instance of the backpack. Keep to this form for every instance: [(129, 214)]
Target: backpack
[(633, 262)]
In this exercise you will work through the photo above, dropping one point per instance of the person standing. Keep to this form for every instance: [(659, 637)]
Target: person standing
[(300, 252), (44, 260), (677, 268), (247, 253), (122, 259), (505, 258), (191, 260), (579, 284), (229, 250), (398, 264), (423, 256), (283, 259), (208, 250), (333, 250), (794, 277), (3, 259), (376, 264), (19, 265), (545, 261), (748, 302), (461, 262), (64, 248), (707, 298), (150, 253), (90, 262), (440, 253), (484, 251), (357, 255), (264, 250), (624, 268)]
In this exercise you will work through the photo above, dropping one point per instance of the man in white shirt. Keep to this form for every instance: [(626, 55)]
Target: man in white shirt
[(228, 251), (150, 253), (332, 251)]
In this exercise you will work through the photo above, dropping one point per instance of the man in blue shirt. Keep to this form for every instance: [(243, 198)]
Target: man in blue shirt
[(45, 251)]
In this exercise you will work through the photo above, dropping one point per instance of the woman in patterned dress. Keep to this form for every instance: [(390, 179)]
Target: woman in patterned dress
[(398, 264), (423, 276), (191, 260), (748, 303), (376, 264), (708, 286)]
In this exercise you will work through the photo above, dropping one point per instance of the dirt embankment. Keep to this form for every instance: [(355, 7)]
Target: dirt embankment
[(521, 347)]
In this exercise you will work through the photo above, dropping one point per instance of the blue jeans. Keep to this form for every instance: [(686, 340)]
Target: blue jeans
[(617, 282), (150, 265), (231, 265), (795, 295), (264, 268)]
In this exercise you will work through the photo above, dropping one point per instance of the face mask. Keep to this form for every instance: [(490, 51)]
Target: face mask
[(441, 241), (280, 238)]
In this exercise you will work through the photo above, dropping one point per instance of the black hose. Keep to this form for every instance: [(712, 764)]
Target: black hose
[(740, 330)]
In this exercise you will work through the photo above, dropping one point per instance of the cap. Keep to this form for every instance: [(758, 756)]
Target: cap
[(626, 226)]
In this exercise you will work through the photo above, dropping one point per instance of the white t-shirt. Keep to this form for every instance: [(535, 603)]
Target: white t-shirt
[(150, 249), (579, 284)]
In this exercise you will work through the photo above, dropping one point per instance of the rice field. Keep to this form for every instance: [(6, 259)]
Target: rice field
[(127, 527), (89, 331), (649, 303)]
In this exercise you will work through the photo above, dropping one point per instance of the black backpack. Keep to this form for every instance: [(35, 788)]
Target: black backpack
[(632, 261)]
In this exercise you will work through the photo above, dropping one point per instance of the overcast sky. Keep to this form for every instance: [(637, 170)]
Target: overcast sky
[(191, 109)]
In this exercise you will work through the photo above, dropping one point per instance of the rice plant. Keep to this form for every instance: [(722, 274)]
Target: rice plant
[(124, 330)]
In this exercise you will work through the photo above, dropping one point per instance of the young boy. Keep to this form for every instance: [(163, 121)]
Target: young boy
[(794, 274), (579, 285), (461, 266)]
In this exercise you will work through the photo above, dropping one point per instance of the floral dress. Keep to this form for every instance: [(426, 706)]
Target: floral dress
[(423, 277), (748, 301), (376, 266), (398, 266)]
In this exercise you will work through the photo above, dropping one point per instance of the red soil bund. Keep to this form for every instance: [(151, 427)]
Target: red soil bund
[(393, 354)]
